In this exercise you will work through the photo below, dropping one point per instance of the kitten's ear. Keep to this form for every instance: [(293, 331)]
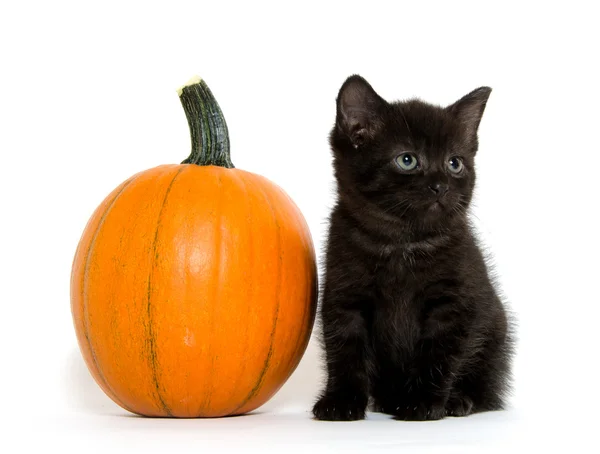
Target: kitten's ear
[(469, 109), (359, 110)]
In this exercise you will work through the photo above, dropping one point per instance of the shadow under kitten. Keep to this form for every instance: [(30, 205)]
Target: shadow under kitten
[(409, 314)]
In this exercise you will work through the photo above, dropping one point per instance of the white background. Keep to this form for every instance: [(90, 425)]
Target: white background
[(87, 98)]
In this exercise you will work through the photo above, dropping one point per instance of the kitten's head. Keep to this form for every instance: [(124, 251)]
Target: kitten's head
[(409, 160)]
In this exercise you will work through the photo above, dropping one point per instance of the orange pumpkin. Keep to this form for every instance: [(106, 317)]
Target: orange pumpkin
[(194, 285)]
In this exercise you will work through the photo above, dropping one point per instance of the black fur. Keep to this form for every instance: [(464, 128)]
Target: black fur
[(410, 317)]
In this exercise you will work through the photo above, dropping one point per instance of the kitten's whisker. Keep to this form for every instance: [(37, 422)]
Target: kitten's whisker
[(396, 205)]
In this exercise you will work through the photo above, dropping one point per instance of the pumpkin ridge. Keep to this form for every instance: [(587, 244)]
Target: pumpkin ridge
[(241, 176), (86, 269), (265, 367), (151, 341), (214, 293)]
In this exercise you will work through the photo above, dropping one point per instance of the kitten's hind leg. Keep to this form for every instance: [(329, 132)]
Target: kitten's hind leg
[(484, 385), (473, 394), (459, 405)]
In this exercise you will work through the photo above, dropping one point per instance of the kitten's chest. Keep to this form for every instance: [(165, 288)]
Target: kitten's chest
[(411, 290), (397, 321), (400, 278)]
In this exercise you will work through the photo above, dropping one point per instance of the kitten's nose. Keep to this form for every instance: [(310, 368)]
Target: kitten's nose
[(439, 188)]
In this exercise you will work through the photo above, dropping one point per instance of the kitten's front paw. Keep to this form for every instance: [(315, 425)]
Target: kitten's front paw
[(340, 408), (459, 406), (421, 411)]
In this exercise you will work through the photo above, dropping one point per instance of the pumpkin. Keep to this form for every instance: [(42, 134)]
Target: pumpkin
[(194, 285)]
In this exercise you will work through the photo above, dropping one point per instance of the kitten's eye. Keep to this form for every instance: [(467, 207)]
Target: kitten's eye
[(455, 165), (407, 161)]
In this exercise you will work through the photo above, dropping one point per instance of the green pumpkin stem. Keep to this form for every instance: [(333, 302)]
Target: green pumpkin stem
[(208, 129)]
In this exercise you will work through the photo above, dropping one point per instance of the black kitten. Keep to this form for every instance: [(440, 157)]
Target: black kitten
[(409, 314)]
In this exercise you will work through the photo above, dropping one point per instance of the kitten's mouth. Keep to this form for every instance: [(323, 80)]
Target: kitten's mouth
[(436, 206)]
